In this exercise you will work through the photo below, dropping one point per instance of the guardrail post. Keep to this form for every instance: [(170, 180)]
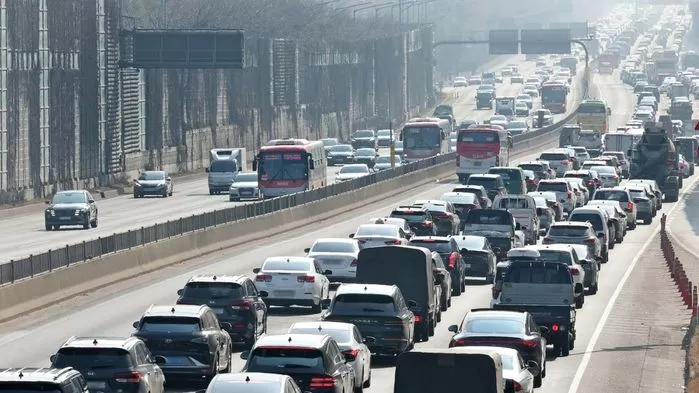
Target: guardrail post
[(12, 270), (84, 251), (31, 265), (690, 296), (128, 237), (695, 301), (143, 236), (67, 255), (50, 260)]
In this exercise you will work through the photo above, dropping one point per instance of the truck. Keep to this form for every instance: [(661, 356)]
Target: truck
[(681, 109), (505, 106), (224, 165), (499, 226), (523, 208), (656, 158), (484, 99), (592, 141)]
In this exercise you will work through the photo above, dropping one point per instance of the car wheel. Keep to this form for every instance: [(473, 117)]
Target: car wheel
[(367, 383), (538, 381), (580, 301), (93, 223), (170, 193), (647, 220), (593, 289), (316, 308), (633, 225), (48, 227), (86, 225)]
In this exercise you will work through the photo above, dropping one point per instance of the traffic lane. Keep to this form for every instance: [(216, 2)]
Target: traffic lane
[(110, 311), (24, 234), (28, 236), (685, 226), (615, 91)]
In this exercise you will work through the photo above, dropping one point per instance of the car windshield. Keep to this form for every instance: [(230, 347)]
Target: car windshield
[(333, 246), (69, 197), (611, 195), (212, 290), (340, 335), (541, 202), (489, 217), (377, 230), (469, 242), (169, 325), (152, 176), (551, 186), (223, 166), (460, 199), (287, 266), (442, 247), (280, 358), (361, 304), (246, 177), (387, 160), (90, 358), (364, 134), (354, 169), (341, 148), (553, 157), (637, 193), (556, 256), (568, 231), (532, 167), (537, 274), (329, 142), (604, 170), (384, 133), (491, 326)]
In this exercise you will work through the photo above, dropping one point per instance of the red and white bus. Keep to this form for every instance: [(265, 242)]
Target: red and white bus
[(479, 148), (424, 137), (554, 97), (288, 166)]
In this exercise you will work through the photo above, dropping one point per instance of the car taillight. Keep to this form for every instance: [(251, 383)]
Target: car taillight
[(306, 279), (352, 352), (390, 242), (452, 260), (530, 343), (244, 305), (457, 343), (324, 382), (516, 386), (578, 192), (354, 263), (590, 183), (615, 177), (418, 318), (547, 240), (427, 224), (200, 340), (442, 216), (130, 377), (574, 271), (495, 293), (565, 162), (589, 241), (263, 278), (569, 194), (629, 206), (555, 328)]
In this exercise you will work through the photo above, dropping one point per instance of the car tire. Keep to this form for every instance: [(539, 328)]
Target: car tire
[(367, 383), (593, 289), (316, 308), (456, 291), (538, 381), (93, 223), (633, 226), (234, 199), (611, 246), (605, 257), (48, 227), (430, 328), (86, 225), (647, 220), (580, 301), (170, 193)]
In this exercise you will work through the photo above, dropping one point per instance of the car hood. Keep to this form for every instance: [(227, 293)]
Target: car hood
[(151, 183), (244, 184), (69, 206)]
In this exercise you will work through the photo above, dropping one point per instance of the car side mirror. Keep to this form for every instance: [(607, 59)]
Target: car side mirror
[(168, 179), (438, 279), (90, 201), (306, 250), (412, 303), (543, 330), (600, 235), (578, 287), (206, 170), (52, 358), (47, 202), (256, 270), (349, 357), (225, 325), (328, 272), (518, 227), (157, 359), (136, 324), (179, 292), (245, 355), (351, 235), (453, 328), (263, 293), (533, 367), (369, 340)]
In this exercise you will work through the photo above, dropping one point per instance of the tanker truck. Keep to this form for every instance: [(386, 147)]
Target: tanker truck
[(655, 158)]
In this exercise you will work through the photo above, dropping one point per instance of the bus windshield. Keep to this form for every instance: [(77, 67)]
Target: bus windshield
[(551, 96), (592, 109), (283, 166), (428, 137)]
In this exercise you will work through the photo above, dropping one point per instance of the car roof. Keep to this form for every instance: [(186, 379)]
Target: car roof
[(36, 374), (288, 259), (579, 171), (292, 340), (247, 378), (320, 325), (553, 181), (571, 224), (376, 226), (335, 240), (372, 289), (485, 176), (178, 310), (100, 342), (71, 192), (551, 247), (591, 209), (218, 278), (489, 313), (431, 239)]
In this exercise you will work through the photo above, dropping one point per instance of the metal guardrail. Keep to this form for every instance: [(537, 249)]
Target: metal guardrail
[(90, 249)]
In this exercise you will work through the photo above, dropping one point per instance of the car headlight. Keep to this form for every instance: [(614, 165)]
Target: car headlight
[(51, 212), (80, 211)]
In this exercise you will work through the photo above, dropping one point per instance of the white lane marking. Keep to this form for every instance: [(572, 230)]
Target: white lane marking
[(575, 384)]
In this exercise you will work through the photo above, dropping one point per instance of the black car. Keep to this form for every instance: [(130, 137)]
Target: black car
[(190, 338), (449, 251), (364, 138), (478, 256), (234, 299), (341, 154), (493, 184), (511, 329), (380, 312), (366, 156), (113, 364), (157, 183), (75, 207), (314, 361), (419, 219), (53, 380), (442, 276)]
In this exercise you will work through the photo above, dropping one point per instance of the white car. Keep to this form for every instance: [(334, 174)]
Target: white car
[(244, 186), (521, 108), (348, 339), (379, 235), (459, 81), (607, 175), (564, 253), (384, 162), (352, 171), (498, 120), (526, 98), (293, 281), (337, 255)]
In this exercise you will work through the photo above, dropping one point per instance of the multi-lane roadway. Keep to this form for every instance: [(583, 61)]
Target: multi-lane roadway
[(31, 339)]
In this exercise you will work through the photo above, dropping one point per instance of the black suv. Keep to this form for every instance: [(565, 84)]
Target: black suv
[(112, 364), (234, 299), (448, 249), (75, 207), (380, 312), (190, 338), (49, 380), (419, 219)]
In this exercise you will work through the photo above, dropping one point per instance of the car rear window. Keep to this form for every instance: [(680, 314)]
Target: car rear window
[(360, 304), (329, 246), (537, 273), (611, 195), (441, 247), (490, 217), (91, 358), (592, 218), (340, 335), (555, 187), (532, 167), (279, 358), (287, 266), (377, 230), (512, 203), (507, 174), (553, 157), (569, 231), (578, 176), (410, 216), (556, 256), (495, 325), (487, 183), (170, 325), (212, 290)]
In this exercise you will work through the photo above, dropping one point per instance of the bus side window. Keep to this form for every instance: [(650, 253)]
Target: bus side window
[(311, 162)]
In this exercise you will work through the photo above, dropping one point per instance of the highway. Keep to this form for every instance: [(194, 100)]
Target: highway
[(30, 340), (24, 234)]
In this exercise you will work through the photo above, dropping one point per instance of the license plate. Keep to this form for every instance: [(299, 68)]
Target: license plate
[(96, 385), (65, 218), (468, 265), (333, 262), (284, 293)]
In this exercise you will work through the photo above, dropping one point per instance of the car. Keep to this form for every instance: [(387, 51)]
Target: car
[(656, 200), (498, 120), (328, 143), (565, 253), (581, 153), (600, 221), (623, 198), (399, 222), (494, 184), (521, 109), (463, 203), (551, 202), (644, 203), (109, 364), (292, 281), (234, 299), (517, 127), (181, 333), (337, 255), (564, 192), (477, 190), (474, 81), (618, 219), (444, 215), (510, 329), (379, 234), (244, 186), (350, 341), (608, 175), (419, 219), (587, 177), (153, 183), (558, 160), (351, 172), (451, 256), (545, 213), (369, 306), (545, 115), (653, 187), (366, 156), (341, 154), (518, 374), (590, 265), (70, 208), (384, 162), (253, 383), (526, 98), (460, 81), (44, 379), (479, 255), (531, 90), (516, 78), (541, 169), (314, 361), (363, 138), (575, 232), (582, 194)]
